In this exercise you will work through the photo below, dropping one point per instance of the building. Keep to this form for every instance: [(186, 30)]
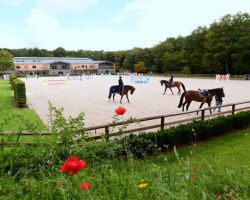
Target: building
[(60, 66)]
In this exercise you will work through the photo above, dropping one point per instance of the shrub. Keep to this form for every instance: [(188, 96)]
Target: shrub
[(147, 143), (19, 93), (12, 78)]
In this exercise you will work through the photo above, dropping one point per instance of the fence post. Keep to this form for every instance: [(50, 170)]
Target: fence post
[(233, 109), (202, 114), (107, 132), (162, 123)]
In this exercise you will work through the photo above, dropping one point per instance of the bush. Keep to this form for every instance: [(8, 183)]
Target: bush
[(12, 78), (147, 143), (19, 93)]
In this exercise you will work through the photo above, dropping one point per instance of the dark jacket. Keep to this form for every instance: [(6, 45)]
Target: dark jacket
[(120, 82), (218, 98), (171, 79)]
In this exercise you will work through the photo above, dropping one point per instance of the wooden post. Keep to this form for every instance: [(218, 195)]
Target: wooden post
[(107, 132), (162, 123), (202, 114), (233, 109)]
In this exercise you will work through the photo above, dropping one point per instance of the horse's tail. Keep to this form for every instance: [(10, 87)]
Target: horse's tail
[(183, 86), (181, 99)]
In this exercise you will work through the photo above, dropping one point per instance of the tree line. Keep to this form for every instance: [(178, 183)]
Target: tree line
[(223, 47)]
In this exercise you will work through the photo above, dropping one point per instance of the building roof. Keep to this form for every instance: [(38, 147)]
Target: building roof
[(49, 60)]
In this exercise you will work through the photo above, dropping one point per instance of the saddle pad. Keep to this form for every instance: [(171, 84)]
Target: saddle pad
[(115, 89)]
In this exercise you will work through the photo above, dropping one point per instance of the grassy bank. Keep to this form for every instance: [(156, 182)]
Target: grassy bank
[(14, 119), (217, 169)]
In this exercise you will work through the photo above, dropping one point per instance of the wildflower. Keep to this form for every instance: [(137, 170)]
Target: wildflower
[(120, 111), (58, 184), (193, 177), (217, 195), (73, 165), (194, 169), (85, 186), (142, 185)]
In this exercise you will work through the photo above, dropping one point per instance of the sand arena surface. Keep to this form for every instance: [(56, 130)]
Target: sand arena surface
[(90, 96)]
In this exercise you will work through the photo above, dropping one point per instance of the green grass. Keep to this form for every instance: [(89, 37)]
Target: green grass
[(219, 166), (14, 119)]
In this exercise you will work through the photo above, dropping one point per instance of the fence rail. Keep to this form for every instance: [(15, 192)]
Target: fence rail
[(162, 122)]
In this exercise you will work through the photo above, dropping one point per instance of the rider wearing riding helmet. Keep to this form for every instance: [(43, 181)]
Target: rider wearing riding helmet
[(171, 79), (121, 84)]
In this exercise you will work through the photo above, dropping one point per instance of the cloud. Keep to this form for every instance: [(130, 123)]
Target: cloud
[(14, 2), (63, 6)]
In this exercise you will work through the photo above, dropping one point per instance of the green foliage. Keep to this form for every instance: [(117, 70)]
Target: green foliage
[(145, 144), (5, 60), (66, 134), (19, 93), (12, 78), (186, 70), (140, 67)]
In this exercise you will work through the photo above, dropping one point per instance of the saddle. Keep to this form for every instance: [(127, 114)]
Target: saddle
[(204, 93)]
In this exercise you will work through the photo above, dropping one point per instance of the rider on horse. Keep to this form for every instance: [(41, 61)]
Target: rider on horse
[(121, 84), (171, 79)]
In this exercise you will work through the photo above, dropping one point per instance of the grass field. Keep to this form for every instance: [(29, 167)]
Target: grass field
[(217, 169), (14, 119)]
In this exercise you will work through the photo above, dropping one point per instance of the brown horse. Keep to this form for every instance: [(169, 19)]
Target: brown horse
[(192, 95), (115, 90), (174, 84)]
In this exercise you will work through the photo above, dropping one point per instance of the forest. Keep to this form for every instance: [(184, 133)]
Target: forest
[(223, 47)]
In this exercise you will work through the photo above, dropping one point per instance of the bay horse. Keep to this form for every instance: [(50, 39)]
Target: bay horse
[(193, 95), (116, 90), (174, 84)]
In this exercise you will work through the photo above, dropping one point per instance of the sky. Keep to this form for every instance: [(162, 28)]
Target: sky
[(108, 25)]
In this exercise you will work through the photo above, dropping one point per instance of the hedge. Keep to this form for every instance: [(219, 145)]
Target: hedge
[(12, 78), (147, 143), (19, 93)]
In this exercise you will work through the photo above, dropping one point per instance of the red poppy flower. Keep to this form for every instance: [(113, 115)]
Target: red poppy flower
[(73, 165), (195, 170), (120, 111), (85, 186)]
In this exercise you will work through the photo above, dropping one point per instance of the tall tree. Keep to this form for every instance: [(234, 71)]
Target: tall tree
[(6, 61), (59, 52)]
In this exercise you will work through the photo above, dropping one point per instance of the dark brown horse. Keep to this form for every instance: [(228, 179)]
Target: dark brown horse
[(174, 84), (115, 90), (192, 95)]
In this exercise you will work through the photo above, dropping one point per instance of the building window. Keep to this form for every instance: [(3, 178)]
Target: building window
[(64, 67), (34, 67), (82, 66), (17, 67), (53, 67)]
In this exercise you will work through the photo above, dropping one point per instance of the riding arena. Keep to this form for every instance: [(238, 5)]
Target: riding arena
[(90, 96)]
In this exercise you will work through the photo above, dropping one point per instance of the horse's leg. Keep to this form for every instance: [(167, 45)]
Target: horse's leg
[(209, 105), (200, 107), (179, 92), (183, 105), (171, 91), (127, 97), (121, 98), (165, 90), (114, 97), (188, 104)]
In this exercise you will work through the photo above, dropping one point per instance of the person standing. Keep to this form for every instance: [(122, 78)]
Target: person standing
[(121, 84), (218, 102)]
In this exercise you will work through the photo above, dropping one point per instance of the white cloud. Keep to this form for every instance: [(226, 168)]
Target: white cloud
[(14, 2), (62, 6), (150, 21)]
